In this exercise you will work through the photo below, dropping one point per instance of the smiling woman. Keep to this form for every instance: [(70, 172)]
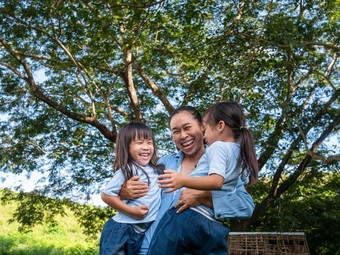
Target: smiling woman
[(187, 134)]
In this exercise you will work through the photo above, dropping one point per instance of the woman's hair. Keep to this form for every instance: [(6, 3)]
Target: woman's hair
[(192, 110), (123, 160), (232, 115)]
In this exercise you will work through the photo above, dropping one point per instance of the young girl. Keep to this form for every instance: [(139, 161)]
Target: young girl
[(135, 155), (230, 155)]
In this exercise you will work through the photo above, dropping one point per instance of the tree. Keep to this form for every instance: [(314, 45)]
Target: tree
[(109, 62)]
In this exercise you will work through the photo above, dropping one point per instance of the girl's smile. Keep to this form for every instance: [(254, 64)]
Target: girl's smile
[(141, 150)]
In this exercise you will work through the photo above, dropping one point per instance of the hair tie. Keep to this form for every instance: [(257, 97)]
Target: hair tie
[(242, 127)]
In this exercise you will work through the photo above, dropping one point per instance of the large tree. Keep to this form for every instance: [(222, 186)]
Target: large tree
[(73, 72)]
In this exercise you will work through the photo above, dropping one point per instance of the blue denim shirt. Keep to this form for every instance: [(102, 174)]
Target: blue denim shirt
[(173, 162)]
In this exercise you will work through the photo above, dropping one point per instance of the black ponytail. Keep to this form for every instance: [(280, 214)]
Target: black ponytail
[(247, 158)]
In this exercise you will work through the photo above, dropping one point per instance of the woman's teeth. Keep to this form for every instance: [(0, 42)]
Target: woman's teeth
[(188, 143)]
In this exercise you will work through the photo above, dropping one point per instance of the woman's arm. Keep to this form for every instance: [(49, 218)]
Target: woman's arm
[(174, 180), (136, 212), (132, 189)]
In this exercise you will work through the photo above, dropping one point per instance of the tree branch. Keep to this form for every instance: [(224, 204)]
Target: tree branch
[(252, 51), (132, 92), (192, 88), (296, 142), (314, 155), (14, 70), (312, 43), (292, 178), (146, 5), (154, 88), (40, 95), (261, 209), (281, 124), (102, 68), (329, 46)]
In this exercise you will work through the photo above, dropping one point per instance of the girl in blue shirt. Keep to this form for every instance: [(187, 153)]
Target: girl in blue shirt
[(135, 156), (224, 126)]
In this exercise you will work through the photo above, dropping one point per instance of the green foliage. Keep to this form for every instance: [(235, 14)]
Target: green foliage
[(33, 210), (64, 236), (312, 206), (92, 218)]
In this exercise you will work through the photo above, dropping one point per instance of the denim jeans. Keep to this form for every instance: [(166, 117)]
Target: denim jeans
[(119, 238), (188, 232)]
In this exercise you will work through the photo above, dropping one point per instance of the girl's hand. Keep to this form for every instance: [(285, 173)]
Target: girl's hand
[(171, 179), (139, 212)]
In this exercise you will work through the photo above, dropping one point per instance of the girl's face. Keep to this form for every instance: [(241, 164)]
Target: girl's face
[(141, 150), (211, 133), (187, 133)]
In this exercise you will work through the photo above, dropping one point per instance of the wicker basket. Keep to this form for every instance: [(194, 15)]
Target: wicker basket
[(267, 243)]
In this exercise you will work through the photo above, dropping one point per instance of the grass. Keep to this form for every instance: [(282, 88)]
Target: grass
[(65, 237)]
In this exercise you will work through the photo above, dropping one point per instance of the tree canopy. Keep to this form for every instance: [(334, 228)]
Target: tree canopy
[(73, 72)]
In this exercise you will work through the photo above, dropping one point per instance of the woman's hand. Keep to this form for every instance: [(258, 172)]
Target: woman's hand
[(133, 189), (190, 198), (171, 180)]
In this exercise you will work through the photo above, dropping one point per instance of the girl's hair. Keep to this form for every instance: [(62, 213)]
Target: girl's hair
[(192, 110), (124, 161), (232, 115)]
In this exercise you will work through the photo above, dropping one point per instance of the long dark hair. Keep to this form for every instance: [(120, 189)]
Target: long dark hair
[(126, 135), (232, 115)]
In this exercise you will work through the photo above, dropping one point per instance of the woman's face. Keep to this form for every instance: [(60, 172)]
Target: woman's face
[(187, 133)]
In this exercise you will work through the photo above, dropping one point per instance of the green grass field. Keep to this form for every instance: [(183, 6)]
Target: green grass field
[(65, 237)]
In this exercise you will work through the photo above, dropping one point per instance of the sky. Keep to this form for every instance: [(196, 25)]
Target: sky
[(11, 181)]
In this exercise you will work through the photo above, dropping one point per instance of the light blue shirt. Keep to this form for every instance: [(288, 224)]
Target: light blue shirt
[(232, 201), (152, 199)]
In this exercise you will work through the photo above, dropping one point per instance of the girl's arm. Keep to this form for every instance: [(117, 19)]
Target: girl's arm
[(137, 212), (174, 180)]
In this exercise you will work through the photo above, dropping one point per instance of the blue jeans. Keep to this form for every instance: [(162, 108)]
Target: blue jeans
[(119, 238), (188, 232)]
